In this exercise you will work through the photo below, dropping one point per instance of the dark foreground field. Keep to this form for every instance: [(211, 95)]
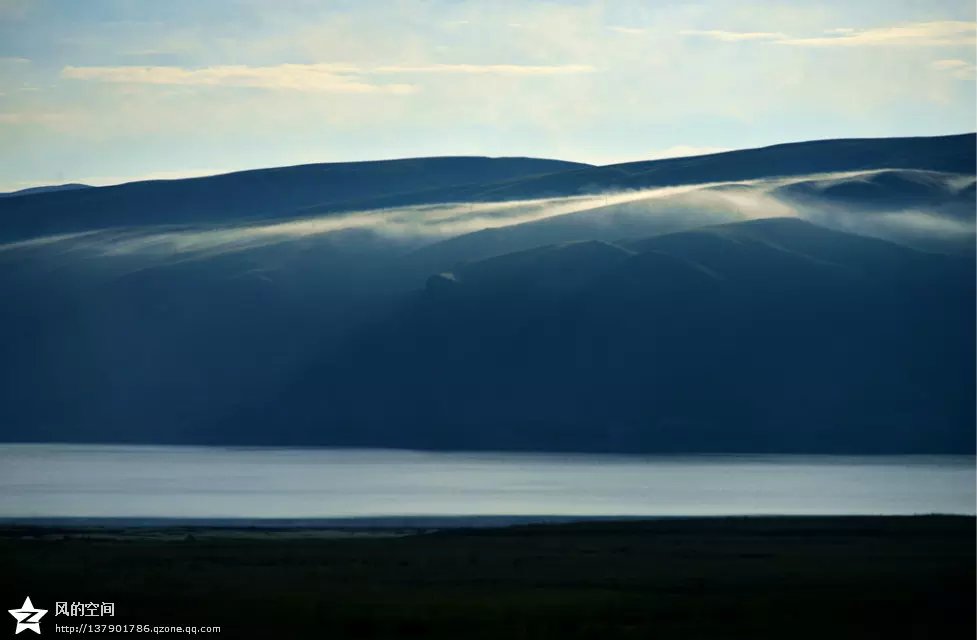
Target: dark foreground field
[(778, 578)]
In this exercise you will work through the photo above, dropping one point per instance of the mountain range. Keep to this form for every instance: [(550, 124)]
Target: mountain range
[(807, 297)]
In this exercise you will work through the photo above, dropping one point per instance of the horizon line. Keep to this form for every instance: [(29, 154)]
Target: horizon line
[(84, 183)]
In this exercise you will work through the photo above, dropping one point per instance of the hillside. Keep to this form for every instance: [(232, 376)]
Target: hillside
[(772, 335), (248, 194), (951, 154), (824, 311), (48, 189)]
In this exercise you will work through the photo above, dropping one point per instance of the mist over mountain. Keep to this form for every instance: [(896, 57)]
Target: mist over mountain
[(257, 193), (804, 297), (951, 154), (885, 188)]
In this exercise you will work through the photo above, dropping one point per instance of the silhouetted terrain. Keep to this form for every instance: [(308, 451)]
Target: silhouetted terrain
[(804, 297), (35, 190), (884, 188), (771, 335), (244, 194), (324, 188), (953, 154), (814, 577)]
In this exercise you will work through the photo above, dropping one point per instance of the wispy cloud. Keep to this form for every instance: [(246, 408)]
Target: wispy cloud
[(321, 77), (489, 69), (35, 117), (431, 221), (631, 31), (733, 36), (957, 68), (325, 78), (146, 52), (693, 205), (920, 34)]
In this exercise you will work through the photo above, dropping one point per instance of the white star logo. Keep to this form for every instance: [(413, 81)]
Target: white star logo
[(28, 617)]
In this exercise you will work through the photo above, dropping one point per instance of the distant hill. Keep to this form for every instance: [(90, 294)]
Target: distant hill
[(72, 186), (944, 153), (318, 189), (770, 335), (954, 154), (885, 188), (267, 193), (506, 303)]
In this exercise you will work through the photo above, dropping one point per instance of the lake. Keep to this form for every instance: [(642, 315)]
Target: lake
[(102, 481)]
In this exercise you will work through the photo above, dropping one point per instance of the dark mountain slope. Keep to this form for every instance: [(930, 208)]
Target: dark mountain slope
[(954, 154), (746, 251), (263, 192), (591, 336), (549, 270), (885, 189), (318, 189), (47, 189), (97, 347), (608, 223), (771, 335), (944, 153), (843, 202)]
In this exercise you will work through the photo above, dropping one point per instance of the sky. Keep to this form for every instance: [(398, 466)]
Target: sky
[(107, 91)]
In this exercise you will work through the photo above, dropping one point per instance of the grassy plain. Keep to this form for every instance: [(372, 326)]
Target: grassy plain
[(758, 577)]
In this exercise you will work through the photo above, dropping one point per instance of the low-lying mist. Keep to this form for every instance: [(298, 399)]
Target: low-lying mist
[(171, 327), (943, 217)]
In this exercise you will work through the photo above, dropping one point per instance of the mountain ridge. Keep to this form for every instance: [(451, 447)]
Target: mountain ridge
[(200, 199), (243, 195), (733, 318)]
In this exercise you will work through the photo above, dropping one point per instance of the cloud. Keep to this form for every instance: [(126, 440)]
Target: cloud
[(733, 36), (631, 31), (146, 52), (957, 68), (320, 77), (34, 117), (491, 69), (425, 221), (920, 34), (324, 78), (694, 204)]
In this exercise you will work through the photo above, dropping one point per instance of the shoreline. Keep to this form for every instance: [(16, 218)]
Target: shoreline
[(459, 521)]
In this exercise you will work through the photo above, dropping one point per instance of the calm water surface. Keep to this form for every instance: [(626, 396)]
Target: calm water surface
[(213, 482)]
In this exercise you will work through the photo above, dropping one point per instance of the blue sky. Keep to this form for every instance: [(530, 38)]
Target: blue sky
[(105, 91)]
